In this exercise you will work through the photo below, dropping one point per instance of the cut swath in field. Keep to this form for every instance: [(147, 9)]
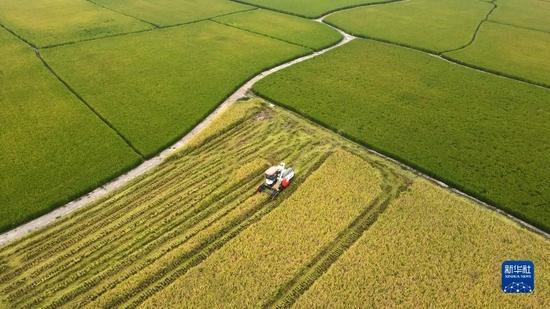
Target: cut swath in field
[(485, 135), (309, 230), (131, 245)]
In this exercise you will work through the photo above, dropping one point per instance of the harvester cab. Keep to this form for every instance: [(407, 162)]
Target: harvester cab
[(277, 178)]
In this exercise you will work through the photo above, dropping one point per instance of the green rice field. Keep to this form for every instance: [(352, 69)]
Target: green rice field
[(195, 232), (530, 14), (511, 51), (491, 140), (173, 12), (310, 8), (433, 25), (53, 147), (50, 22), (136, 135), (154, 100), (285, 27)]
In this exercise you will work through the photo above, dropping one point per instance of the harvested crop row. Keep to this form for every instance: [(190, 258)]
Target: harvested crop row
[(392, 185), (133, 244), (273, 251), (487, 136)]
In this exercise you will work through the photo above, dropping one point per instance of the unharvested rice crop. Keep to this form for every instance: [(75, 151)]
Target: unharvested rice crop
[(511, 51), (531, 14), (309, 8), (426, 24), (285, 27), (279, 248), (52, 147), (172, 80), (130, 246), (194, 232), (484, 134), (447, 253), (172, 12), (49, 22)]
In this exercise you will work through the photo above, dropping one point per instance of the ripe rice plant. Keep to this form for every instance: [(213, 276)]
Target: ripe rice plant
[(485, 135), (136, 242), (447, 248), (194, 229), (273, 251)]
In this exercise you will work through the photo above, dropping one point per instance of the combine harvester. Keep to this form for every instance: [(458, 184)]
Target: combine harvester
[(277, 178)]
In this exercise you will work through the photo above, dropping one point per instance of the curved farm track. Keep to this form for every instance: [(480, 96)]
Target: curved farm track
[(242, 92)]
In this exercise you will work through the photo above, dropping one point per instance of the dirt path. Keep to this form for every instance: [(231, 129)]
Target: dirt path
[(150, 164)]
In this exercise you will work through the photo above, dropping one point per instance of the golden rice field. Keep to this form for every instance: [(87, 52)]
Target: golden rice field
[(195, 233)]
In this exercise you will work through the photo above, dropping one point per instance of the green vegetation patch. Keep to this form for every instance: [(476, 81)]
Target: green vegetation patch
[(53, 148), (434, 25), (533, 14), (285, 27), (521, 53), (440, 236), (310, 8), (171, 12), (49, 22), (483, 134), (173, 78)]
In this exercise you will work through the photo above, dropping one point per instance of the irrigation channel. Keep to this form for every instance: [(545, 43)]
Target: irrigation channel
[(149, 165)]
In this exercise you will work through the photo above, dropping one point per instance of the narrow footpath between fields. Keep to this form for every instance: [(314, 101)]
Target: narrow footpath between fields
[(240, 93)]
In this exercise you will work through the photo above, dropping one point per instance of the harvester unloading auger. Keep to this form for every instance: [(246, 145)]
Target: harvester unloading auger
[(277, 178)]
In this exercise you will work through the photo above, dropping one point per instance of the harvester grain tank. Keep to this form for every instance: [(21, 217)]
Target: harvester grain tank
[(277, 178)]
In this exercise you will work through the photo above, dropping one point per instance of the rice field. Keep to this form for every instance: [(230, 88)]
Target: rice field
[(153, 100), (446, 254), (50, 22), (309, 8), (509, 50), (483, 134), (430, 25), (530, 14), (285, 27), (53, 148), (125, 249), (195, 233), (273, 252), (173, 12), (456, 89)]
